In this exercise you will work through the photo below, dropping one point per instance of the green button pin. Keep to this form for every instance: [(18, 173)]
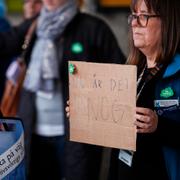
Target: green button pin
[(167, 92), (77, 48), (71, 68)]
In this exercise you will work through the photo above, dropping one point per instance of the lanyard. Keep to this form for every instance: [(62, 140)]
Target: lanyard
[(145, 78)]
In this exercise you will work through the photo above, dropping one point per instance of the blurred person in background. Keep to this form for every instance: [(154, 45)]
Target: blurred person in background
[(4, 27), (63, 33), (82, 37), (12, 37), (31, 8), (4, 22)]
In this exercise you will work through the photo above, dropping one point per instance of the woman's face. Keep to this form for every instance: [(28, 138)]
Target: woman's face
[(147, 38), (32, 8), (53, 4)]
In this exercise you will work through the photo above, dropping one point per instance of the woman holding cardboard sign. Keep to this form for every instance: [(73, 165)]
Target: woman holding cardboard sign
[(154, 48)]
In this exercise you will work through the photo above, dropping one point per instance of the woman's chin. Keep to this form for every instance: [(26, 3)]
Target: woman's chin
[(139, 45)]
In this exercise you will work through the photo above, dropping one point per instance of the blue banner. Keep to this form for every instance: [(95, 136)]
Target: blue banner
[(12, 165)]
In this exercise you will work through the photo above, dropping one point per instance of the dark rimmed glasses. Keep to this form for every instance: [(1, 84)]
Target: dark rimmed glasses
[(142, 19)]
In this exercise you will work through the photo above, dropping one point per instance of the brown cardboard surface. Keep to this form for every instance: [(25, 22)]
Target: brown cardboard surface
[(102, 104)]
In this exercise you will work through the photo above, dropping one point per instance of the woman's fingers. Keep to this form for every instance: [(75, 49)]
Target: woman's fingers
[(67, 115), (146, 120), (141, 110), (67, 109), (143, 118), (142, 127)]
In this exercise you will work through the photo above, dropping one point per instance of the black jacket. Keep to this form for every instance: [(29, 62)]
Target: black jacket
[(148, 162), (99, 45)]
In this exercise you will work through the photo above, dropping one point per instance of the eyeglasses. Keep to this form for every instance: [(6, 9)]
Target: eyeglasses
[(142, 19)]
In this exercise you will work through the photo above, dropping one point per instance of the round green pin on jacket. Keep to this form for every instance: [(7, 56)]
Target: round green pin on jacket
[(77, 48)]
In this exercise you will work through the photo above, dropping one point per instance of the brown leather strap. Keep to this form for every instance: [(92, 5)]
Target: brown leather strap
[(27, 39), (1, 115), (11, 95)]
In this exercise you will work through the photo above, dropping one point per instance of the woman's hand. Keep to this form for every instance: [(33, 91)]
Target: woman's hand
[(146, 120), (67, 109)]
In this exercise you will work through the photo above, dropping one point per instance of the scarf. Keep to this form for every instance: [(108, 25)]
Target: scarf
[(43, 67)]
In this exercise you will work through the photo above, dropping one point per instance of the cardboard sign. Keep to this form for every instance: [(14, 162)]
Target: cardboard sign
[(102, 104)]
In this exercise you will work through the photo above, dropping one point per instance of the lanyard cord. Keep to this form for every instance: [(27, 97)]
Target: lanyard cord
[(144, 79)]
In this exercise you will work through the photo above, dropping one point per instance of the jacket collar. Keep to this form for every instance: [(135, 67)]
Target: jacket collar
[(173, 67)]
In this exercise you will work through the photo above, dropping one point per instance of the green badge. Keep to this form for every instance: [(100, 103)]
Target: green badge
[(167, 92), (77, 48), (71, 68)]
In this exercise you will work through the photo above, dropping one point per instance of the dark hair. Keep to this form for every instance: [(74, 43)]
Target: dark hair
[(169, 11)]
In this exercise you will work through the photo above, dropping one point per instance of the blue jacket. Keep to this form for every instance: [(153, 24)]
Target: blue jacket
[(167, 99)]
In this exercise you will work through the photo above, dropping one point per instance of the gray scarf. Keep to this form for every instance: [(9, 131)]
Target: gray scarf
[(43, 68)]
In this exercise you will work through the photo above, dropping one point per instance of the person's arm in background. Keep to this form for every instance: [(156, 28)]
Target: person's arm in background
[(12, 40)]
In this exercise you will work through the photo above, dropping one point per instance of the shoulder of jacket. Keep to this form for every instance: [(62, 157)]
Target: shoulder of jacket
[(173, 67), (85, 18)]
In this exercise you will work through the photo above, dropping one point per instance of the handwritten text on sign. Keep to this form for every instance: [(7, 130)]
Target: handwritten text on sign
[(102, 104)]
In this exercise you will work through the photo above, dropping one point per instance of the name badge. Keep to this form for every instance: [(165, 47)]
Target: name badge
[(166, 103), (126, 157)]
